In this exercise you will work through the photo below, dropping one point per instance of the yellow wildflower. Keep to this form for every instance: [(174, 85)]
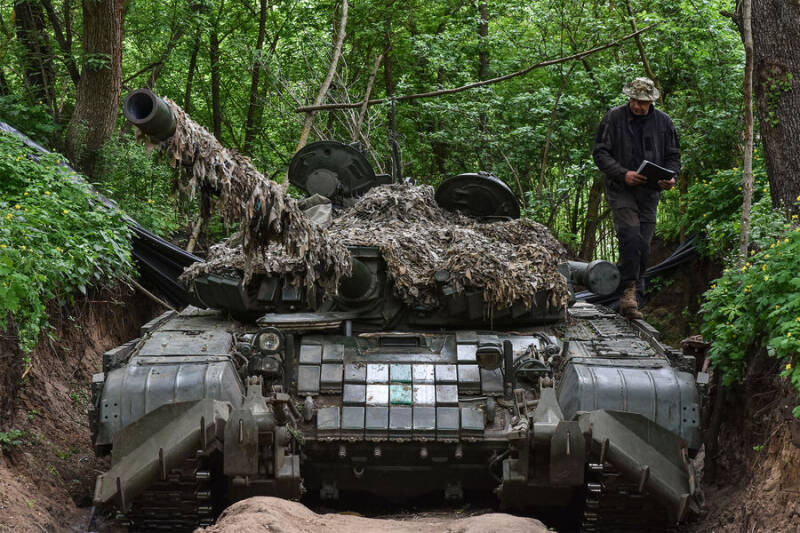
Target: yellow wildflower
[(766, 278), (47, 193), (24, 247), (788, 366), (16, 206), (66, 211), (788, 333), (786, 239), (763, 268), (3, 246)]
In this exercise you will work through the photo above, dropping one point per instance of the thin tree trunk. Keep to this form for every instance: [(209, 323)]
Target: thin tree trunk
[(174, 38), (38, 72), (337, 52), (640, 46), (64, 41), (97, 101), (592, 220), (213, 56), (550, 126), (483, 74), (747, 174), (6, 34), (362, 113), (254, 109), (187, 94)]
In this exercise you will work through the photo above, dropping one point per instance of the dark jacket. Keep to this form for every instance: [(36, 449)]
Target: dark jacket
[(615, 151)]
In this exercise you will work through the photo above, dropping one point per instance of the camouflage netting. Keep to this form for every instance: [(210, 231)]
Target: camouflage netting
[(508, 261), (270, 220)]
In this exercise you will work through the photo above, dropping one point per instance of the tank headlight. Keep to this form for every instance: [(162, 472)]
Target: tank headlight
[(269, 341)]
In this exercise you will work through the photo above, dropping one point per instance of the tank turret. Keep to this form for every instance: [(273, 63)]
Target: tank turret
[(448, 358)]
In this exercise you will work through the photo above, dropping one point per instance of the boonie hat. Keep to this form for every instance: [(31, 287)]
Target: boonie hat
[(641, 89)]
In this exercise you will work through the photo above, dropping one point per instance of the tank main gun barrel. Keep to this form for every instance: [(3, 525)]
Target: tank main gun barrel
[(150, 114), (600, 277)]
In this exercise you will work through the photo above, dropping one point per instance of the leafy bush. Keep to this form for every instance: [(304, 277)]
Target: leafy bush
[(758, 305), (34, 120), (139, 182), (56, 237), (713, 207)]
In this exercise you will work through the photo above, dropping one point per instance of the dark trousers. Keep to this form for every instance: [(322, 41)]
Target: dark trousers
[(634, 212)]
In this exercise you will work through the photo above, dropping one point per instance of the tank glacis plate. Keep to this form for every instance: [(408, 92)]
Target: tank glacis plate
[(437, 411)]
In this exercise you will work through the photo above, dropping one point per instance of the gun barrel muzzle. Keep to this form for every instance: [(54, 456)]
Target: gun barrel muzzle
[(150, 114)]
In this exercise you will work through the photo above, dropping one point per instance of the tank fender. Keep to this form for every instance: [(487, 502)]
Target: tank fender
[(161, 440), (646, 453)]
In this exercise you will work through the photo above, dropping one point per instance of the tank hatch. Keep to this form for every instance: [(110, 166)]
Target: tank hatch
[(334, 170), (480, 195)]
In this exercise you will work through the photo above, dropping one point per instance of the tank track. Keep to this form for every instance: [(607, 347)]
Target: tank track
[(614, 504), (182, 502)]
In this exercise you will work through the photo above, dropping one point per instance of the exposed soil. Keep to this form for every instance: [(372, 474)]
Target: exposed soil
[(753, 483), (276, 515), (45, 479)]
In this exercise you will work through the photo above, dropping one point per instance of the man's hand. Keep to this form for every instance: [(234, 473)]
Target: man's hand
[(634, 178), (667, 184)]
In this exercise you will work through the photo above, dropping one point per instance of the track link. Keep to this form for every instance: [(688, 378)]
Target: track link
[(181, 502), (614, 504)]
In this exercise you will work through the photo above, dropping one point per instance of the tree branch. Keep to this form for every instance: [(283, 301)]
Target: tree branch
[(337, 51), (324, 107)]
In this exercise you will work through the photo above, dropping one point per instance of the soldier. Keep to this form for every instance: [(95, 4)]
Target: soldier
[(628, 135)]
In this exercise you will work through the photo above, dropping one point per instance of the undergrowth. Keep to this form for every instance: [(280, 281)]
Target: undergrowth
[(56, 238), (757, 305)]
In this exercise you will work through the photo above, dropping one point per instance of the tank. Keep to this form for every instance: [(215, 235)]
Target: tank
[(548, 405)]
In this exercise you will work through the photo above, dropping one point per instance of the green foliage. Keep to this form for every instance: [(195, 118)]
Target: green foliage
[(757, 306), (10, 439), (713, 207), (139, 182), (34, 120), (56, 238)]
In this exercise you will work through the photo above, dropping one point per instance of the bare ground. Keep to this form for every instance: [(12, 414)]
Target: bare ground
[(44, 480), (283, 516)]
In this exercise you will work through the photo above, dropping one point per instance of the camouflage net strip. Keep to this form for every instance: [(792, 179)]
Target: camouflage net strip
[(508, 261), (261, 208)]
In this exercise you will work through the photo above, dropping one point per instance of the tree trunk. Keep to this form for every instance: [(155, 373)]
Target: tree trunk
[(97, 101), (64, 40), (747, 174), (589, 241), (213, 57), (187, 95), (254, 109), (323, 90), (776, 63), (483, 74), (38, 73)]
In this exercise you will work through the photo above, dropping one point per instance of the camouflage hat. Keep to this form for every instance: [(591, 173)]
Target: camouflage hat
[(641, 89)]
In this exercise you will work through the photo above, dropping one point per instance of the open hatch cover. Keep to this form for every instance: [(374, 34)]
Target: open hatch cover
[(480, 195)]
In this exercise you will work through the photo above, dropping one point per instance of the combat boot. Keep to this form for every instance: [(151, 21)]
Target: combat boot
[(628, 306)]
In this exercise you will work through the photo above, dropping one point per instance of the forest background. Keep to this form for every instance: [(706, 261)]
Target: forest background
[(243, 68)]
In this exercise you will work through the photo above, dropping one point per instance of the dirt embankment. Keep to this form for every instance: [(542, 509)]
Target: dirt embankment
[(752, 484), (50, 472)]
